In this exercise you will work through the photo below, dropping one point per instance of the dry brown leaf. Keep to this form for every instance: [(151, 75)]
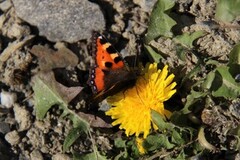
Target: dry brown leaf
[(50, 59), (66, 93), (94, 120)]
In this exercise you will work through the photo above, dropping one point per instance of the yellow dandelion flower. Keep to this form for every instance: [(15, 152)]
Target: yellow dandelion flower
[(132, 107), (139, 142)]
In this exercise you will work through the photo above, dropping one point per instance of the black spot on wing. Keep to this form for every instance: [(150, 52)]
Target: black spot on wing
[(117, 59), (110, 50), (108, 64)]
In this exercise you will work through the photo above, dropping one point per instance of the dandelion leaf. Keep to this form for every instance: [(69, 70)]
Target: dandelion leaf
[(177, 138), (179, 119), (181, 155), (224, 85), (78, 122), (234, 56), (160, 121), (48, 92), (234, 60), (119, 143), (154, 142), (133, 147), (187, 39), (72, 136), (192, 98), (192, 73), (227, 10), (156, 57), (44, 95), (160, 23), (122, 155), (209, 80)]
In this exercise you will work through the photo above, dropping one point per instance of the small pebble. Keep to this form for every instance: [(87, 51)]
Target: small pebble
[(146, 5), (4, 128), (22, 117), (60, 156), (36, 155), (8, 99), (5, 5), (12, 137)]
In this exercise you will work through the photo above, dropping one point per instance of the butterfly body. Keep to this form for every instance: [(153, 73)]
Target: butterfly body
[(110, 73)]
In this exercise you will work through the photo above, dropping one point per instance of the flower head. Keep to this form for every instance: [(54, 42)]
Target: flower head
[(132, 107)]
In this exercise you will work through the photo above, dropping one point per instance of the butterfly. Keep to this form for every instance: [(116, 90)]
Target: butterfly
[(110, 73)]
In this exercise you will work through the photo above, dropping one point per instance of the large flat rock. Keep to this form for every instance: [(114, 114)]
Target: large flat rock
[(61, 20)]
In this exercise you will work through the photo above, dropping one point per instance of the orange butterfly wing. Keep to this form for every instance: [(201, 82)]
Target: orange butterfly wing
[(109, 70)]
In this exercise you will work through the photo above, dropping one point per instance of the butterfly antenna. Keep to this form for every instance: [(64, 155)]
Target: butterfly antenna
[(139, 49)]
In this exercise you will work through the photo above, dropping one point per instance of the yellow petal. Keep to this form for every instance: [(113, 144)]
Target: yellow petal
[(139, 142), (132, 107)]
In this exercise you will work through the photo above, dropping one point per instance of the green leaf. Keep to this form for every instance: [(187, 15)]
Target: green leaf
[(208, 81), (227, 10), (133, 148), (122, 155), (212, 62), (234, 56), (72, 136), (186, 39), (154, 142), (197, 148), (181, 155), (79, 122), (181, 52), (80, 127), (120, 143), (159, 120), (224, 84), (48, 92), (160, 23), (89, 156), (153, 54), (177, 138), (45, 97), (192, 98), (234, 60), (190, 74), (179, 119)]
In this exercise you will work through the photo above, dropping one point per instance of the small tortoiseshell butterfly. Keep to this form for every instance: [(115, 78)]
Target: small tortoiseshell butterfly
[(110, 73)]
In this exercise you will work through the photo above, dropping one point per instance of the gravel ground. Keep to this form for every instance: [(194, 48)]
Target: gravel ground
[(29, 34)]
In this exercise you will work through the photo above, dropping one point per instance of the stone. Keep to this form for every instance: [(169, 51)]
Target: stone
[(36, 155), (146, 5), (60, 156), (4, 128), (12, 137), (22, 117), (5, 5), (61, 20), (8, 99)]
